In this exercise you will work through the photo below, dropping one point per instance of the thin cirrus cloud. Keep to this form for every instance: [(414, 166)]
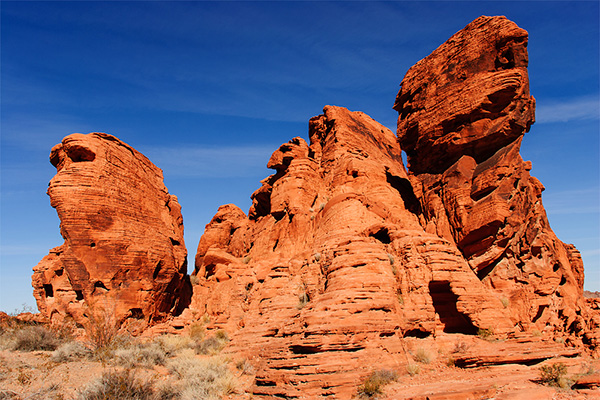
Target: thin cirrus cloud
[(210, 161), (582, 108)]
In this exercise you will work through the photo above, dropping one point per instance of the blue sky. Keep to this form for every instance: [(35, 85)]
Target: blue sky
[(208, 90)]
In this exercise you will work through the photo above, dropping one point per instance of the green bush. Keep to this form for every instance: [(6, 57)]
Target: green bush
[(375, 382)]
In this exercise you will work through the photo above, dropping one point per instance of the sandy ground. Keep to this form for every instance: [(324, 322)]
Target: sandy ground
[(33, 375)]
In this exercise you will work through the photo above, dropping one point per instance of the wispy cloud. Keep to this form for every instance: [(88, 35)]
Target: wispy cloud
[(581, 108), (210, 161), (584, 201)]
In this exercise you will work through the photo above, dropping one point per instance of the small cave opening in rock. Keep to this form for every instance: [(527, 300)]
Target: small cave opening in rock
[(417, 333), (59, 272), (209, 270), (79, 295), (540, 312), (444, 303), (100, 285), (157, 269), (48, 290), (79, 153), (404, 187), (383, 235), (136, 313)]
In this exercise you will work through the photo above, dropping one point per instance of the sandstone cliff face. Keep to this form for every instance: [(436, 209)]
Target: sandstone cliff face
[(345, 254), (463, 111), (124, 252)]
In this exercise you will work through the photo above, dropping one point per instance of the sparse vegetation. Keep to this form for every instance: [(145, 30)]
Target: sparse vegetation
[(203, 378), (413, 369), (213, 344), (375, 382), (504, 302), (194, 280), (486, 334), (118, 385), (32, 338), (246, 259), (555, 375), (141, 355), (102, 330), (460, 347), (423, 356), (69, 351), (244, 366)]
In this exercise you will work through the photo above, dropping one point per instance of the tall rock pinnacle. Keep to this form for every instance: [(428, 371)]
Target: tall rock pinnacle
[(124, 251)]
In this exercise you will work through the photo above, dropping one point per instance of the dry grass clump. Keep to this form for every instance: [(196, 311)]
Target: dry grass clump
[(32, 338), (413, 369), (213, 344), (203, 378), (145, 355), (423, 356), (173, 344), (375, 382), (71, 351), (118, 385), (486, 334)]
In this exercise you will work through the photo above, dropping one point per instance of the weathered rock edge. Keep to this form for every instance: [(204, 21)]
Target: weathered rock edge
[(124, 255)]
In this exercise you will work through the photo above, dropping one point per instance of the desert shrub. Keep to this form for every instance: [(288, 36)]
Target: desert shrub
[(197, 331), (194, 280), (72, 350), (203, 378), (555, 375), (31, 338), (102, 330), (173, 344), (117, 385), (141, 355), (244, 366), (213, 344), (413, 369), (375, 382), (486, 334), (423, 356), (8, 395), (460, 347)]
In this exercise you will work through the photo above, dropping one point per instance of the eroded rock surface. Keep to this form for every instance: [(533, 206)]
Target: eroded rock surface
[(463, 111), (345, 254), (124, 253)]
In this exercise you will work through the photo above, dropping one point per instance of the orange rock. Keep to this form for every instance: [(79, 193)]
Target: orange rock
[(124, 252), (463, 112), (344, 253)]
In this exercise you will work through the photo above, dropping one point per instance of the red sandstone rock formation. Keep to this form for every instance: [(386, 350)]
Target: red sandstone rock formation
[(345, 254), (463, 112), (124, 252)]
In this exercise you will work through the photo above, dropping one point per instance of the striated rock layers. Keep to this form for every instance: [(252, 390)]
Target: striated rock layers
[(345, 254), (124, 253)]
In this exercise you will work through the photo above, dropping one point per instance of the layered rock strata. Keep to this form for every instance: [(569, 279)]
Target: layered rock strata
[(463, 111), (345, 253), (124, 253)]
